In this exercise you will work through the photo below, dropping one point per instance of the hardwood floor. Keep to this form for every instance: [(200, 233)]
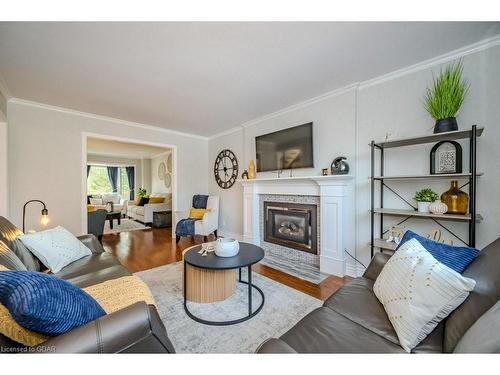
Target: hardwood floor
[(144, 249)]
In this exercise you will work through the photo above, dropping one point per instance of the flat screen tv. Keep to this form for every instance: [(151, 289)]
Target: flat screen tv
[(285, 149)]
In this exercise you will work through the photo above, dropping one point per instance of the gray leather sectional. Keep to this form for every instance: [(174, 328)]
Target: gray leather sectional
[(354, 321)]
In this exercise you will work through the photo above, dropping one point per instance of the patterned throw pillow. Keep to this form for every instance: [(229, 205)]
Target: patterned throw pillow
[(417, 292), (455, 257), (56, 248), (26, 294)]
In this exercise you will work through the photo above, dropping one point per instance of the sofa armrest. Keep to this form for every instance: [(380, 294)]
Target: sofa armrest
[(92, 243), (275, 346), (134, 329), (377, 263)]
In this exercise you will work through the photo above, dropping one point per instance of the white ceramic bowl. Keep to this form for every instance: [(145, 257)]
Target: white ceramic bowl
[(227, 247)]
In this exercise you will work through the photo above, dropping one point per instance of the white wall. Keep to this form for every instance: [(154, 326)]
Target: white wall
[(157, 185), (345, 123), (3, 107), (113, 160), (45, 160)]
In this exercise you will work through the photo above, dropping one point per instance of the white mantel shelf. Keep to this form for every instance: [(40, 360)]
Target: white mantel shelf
[(298, 178), (336, 212)]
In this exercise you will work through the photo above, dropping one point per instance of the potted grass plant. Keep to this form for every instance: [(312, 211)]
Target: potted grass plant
[(424, 198), (446, 96)]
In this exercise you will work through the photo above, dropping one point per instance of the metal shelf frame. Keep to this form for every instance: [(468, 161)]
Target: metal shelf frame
[(472, 134)]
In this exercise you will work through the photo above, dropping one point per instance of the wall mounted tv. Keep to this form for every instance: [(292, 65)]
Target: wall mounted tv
[(285, 149)]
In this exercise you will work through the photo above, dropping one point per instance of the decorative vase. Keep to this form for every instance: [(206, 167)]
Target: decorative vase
[(455, 199), (423, 206), (445, 125), (226, 247), (251, 170), (438, 208)]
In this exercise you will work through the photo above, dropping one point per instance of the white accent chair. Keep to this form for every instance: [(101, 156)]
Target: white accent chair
[(210, 222), (144, 214)]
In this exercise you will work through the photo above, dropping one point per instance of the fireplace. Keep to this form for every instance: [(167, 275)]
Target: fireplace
[(291, 225)]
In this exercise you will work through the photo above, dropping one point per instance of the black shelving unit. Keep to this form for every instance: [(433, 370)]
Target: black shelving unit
[(472, 218)]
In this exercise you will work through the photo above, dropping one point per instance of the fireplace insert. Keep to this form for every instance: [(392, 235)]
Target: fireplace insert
[(292, 225)]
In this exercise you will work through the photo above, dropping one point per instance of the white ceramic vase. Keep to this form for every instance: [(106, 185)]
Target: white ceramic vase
[(423, 206), (226, 247), (438, 208)]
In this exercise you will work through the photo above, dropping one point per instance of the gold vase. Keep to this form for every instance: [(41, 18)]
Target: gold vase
[(251, 170), (456, 200)]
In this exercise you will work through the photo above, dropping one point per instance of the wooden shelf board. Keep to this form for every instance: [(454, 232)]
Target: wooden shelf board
[(383, 244), (430, 138), (427, 176), (400, 212)]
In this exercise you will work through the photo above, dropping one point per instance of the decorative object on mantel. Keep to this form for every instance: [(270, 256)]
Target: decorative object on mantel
[(226, 169), (446, 157), (227, 247), (244, 175), (446, 96), (438, 208), (324, 172), (395, 233), (339, 166), (456, 200), (424, 198), (251, 171)]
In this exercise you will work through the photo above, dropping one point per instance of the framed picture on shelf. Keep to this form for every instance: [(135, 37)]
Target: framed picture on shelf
[(446, 157)]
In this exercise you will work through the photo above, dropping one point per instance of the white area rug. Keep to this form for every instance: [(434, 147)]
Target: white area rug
[(283, 308), (126, 225)]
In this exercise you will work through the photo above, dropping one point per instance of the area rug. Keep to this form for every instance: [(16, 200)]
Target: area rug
[(126, 225), (283, 308)]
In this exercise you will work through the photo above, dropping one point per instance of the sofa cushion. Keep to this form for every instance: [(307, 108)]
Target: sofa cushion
[(326, 331), (56, 247), (92, 270), (484, 270), (478, 339), (357, 302), (418, 291), (9, 234)]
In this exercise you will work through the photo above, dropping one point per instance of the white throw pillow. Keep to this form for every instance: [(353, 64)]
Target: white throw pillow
[(56, 248), (418, 291), (96, 201)]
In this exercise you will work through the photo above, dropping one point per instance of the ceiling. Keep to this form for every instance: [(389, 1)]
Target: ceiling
[(106, 147), (204, 78)]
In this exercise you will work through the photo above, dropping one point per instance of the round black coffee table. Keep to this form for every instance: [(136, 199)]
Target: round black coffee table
[(249, 254)]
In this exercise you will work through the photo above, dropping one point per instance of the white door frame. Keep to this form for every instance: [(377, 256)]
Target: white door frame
[(86, 135), (4, 186)]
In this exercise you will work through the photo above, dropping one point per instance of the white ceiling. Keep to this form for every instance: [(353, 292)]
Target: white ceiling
[(106, 147), (203, 78)]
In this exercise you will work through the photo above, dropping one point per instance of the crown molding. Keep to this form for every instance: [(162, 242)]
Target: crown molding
[(438, 60), (449, 56), (103, 118)]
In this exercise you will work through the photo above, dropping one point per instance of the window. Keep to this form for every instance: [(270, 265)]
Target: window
[(98, 181)]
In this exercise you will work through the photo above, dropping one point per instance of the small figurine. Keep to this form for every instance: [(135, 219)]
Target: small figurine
[(395, 234), (244, 175)]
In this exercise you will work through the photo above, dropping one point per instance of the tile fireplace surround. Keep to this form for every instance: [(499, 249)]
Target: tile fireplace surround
[(336, 212)]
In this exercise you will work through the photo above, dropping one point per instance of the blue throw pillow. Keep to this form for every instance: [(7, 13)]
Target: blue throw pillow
[(46, 304), (455, 257)]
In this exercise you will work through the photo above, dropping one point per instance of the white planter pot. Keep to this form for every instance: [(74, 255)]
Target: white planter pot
[(423, 206)]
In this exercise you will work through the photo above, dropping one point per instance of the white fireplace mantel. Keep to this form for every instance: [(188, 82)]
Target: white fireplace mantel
[(336, 212)]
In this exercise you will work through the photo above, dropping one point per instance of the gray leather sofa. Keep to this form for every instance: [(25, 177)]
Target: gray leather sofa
[(354, 321), (135, 329)]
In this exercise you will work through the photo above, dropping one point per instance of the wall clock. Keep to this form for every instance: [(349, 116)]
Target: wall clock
[(226, 169)]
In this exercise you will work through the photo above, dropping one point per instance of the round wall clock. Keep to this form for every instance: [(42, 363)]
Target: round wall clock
[(226, 169)]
